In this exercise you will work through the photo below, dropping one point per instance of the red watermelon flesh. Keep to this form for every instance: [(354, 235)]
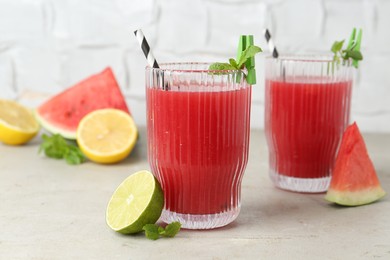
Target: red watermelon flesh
[(354, 179), (63, 112)]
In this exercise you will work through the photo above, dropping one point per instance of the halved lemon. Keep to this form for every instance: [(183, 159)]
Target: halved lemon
[(17, 123), (107, 135), (137, 201)]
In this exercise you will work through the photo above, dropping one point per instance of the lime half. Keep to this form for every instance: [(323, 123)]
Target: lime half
[(137, 201)]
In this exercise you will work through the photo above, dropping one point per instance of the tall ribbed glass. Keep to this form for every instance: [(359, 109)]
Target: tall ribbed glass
[(198, 125), (307, 108)]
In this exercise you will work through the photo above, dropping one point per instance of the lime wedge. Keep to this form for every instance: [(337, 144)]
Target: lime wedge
[(137, 201)]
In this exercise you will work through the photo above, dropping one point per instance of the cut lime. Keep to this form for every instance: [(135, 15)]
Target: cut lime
[(137, 201)]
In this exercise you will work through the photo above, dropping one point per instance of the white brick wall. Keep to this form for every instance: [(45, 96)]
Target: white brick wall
[(47, 45)]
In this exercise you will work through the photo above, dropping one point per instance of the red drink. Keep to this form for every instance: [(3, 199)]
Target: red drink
[(305, 117), (309, 120), (198, 140)]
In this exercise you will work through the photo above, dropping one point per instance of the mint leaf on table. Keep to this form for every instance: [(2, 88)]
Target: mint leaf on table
[(57, 147), (171, 229), (53, 147), (74, 155), (154, 231)]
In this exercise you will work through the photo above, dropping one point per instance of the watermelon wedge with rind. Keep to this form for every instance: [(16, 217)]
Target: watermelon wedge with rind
[(354, 180), (63, 112)]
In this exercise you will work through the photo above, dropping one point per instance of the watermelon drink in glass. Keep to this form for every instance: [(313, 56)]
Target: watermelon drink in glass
[(198, 125), (307, 108)]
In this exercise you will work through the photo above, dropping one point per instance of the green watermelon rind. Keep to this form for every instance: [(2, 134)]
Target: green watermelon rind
[(355, 198), (354, 179), (53, 129)]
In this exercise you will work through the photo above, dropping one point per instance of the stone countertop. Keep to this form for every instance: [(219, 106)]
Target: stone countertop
[(51, 210)]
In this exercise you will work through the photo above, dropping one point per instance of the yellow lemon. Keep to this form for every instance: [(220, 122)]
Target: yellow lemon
[(106, 135), (17, 123)]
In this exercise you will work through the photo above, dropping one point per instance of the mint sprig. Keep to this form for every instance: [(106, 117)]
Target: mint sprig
[(248, 53), (352, 52), (221, 66), (154, 231), (233, 64), (57, 147)]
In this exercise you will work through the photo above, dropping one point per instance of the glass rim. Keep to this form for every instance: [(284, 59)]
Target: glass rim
[(306, 58), (181, 70)]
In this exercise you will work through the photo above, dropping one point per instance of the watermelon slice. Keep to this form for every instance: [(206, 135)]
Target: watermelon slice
[(62, 113), (354, 180)]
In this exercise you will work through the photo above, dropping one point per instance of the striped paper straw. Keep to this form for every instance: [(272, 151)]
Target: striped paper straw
[(271, 44), (146, 49)]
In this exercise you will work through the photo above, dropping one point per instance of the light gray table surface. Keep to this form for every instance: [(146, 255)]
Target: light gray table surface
[(51, 210)]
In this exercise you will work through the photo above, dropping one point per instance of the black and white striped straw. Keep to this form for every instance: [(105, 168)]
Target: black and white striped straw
[(271, 44), (146, 49)]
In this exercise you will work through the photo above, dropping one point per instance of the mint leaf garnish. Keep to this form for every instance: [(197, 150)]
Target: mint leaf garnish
[(352, 52), (233, 64), (355, 55), (154, 231), (337, 46), (221, 66), (57, 147), (248, 53)]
